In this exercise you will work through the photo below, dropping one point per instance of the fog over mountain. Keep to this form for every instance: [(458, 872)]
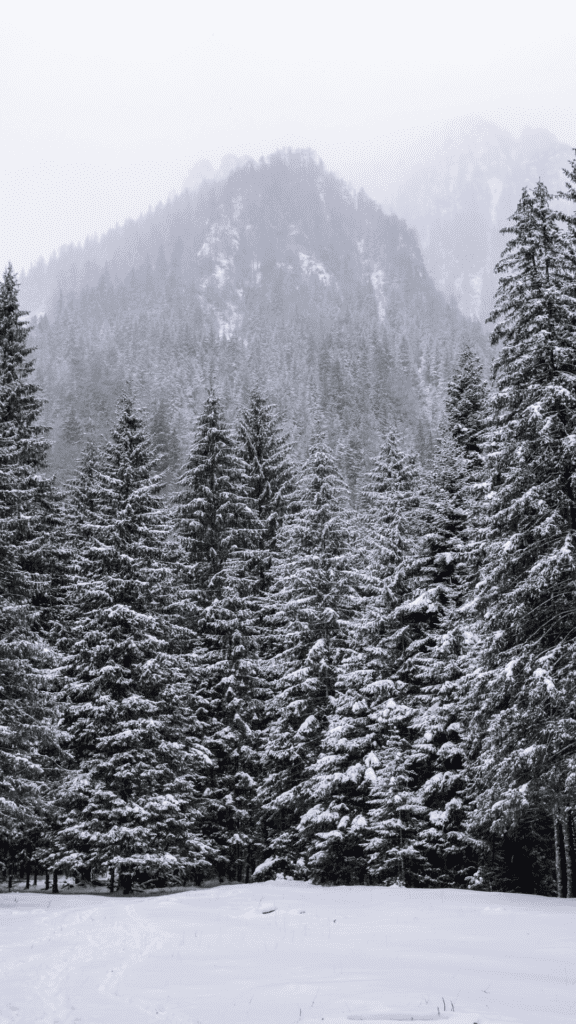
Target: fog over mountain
[(277, 274), (461, 193)]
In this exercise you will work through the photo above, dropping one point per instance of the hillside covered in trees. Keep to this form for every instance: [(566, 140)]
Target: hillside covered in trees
[(278, 277)]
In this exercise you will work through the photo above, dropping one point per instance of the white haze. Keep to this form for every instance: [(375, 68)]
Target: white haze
[(106, 106)]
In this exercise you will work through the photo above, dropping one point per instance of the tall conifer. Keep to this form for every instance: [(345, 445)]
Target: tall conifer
[(315, 597), (214, 515), (25, 725), (525, 689), (219, 533), (267, 454), (130, 793), (343, 776)]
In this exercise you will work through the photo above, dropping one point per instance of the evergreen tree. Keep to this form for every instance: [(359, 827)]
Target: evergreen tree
[(267, 455), (432, 673), (315, 597), (227, 676), (467, 409), (393, 761), (524, 692), (128, 801), (35, 514), (219, 534), (569, 220), (26, 732), (394, 498), (165, 441), (214, 515), (343, 776)]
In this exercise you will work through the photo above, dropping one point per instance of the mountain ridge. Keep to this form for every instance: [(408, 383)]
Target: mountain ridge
[(279, 275)]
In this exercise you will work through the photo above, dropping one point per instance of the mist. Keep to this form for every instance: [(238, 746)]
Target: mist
[(106, 107)]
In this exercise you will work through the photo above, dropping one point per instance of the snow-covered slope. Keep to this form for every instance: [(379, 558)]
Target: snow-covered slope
[(288, 953), (278, 274)]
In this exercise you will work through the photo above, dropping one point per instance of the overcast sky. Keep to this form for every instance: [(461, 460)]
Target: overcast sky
[(104, 106)]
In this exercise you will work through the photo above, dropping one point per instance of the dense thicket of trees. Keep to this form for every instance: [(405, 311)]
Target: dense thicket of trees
[(259, 674)]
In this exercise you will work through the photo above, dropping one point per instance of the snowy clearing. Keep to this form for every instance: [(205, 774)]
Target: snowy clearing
[(288, 953)]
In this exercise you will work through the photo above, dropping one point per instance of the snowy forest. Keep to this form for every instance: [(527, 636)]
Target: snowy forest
[(255, 674)]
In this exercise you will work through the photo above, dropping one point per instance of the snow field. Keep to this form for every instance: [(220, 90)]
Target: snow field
[(288, 953)]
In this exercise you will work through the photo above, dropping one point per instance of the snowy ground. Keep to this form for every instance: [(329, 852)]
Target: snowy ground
[(288, 953)]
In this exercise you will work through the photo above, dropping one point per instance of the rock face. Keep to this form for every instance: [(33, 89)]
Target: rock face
[(279, 275), (460, 196)]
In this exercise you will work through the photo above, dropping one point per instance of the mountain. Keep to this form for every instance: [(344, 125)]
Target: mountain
[(278, 275), (459, 196), (204, 171)]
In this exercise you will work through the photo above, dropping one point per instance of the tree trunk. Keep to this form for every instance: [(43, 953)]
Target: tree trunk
[(35, 874), (111, 883), (559, 852), (125, 880), (54, 881), (10, 869), (568, 851), (27, 874), (47, 880)]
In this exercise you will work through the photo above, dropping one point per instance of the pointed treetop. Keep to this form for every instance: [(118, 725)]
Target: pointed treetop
[(214, 510), (569, 191), (467, 403)]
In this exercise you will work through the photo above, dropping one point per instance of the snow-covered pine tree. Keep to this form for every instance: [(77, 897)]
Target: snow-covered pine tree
[(525, 687), (437, 577), (164, 438), (219, 533), (394, 739), (433, 671), (25, 719), (267, 454), (343, 776), (83, 498), (393, 502), (568, 217), (128, 800), (37, 514), (227, 676), (213, 513), (314, 597), (467, 409)]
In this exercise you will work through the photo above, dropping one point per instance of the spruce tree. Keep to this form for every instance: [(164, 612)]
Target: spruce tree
[(128, 801), (35, 515), (26, 733), (569, 219), (214, 515), (343, 775), (467, 409), (391, 773), (230, 689), (266, 452), (524, 692), (433, 671), (219, 534), (394, 501), (314, 596)]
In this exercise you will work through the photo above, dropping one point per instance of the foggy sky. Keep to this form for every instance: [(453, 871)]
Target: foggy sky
[(105, 106)]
